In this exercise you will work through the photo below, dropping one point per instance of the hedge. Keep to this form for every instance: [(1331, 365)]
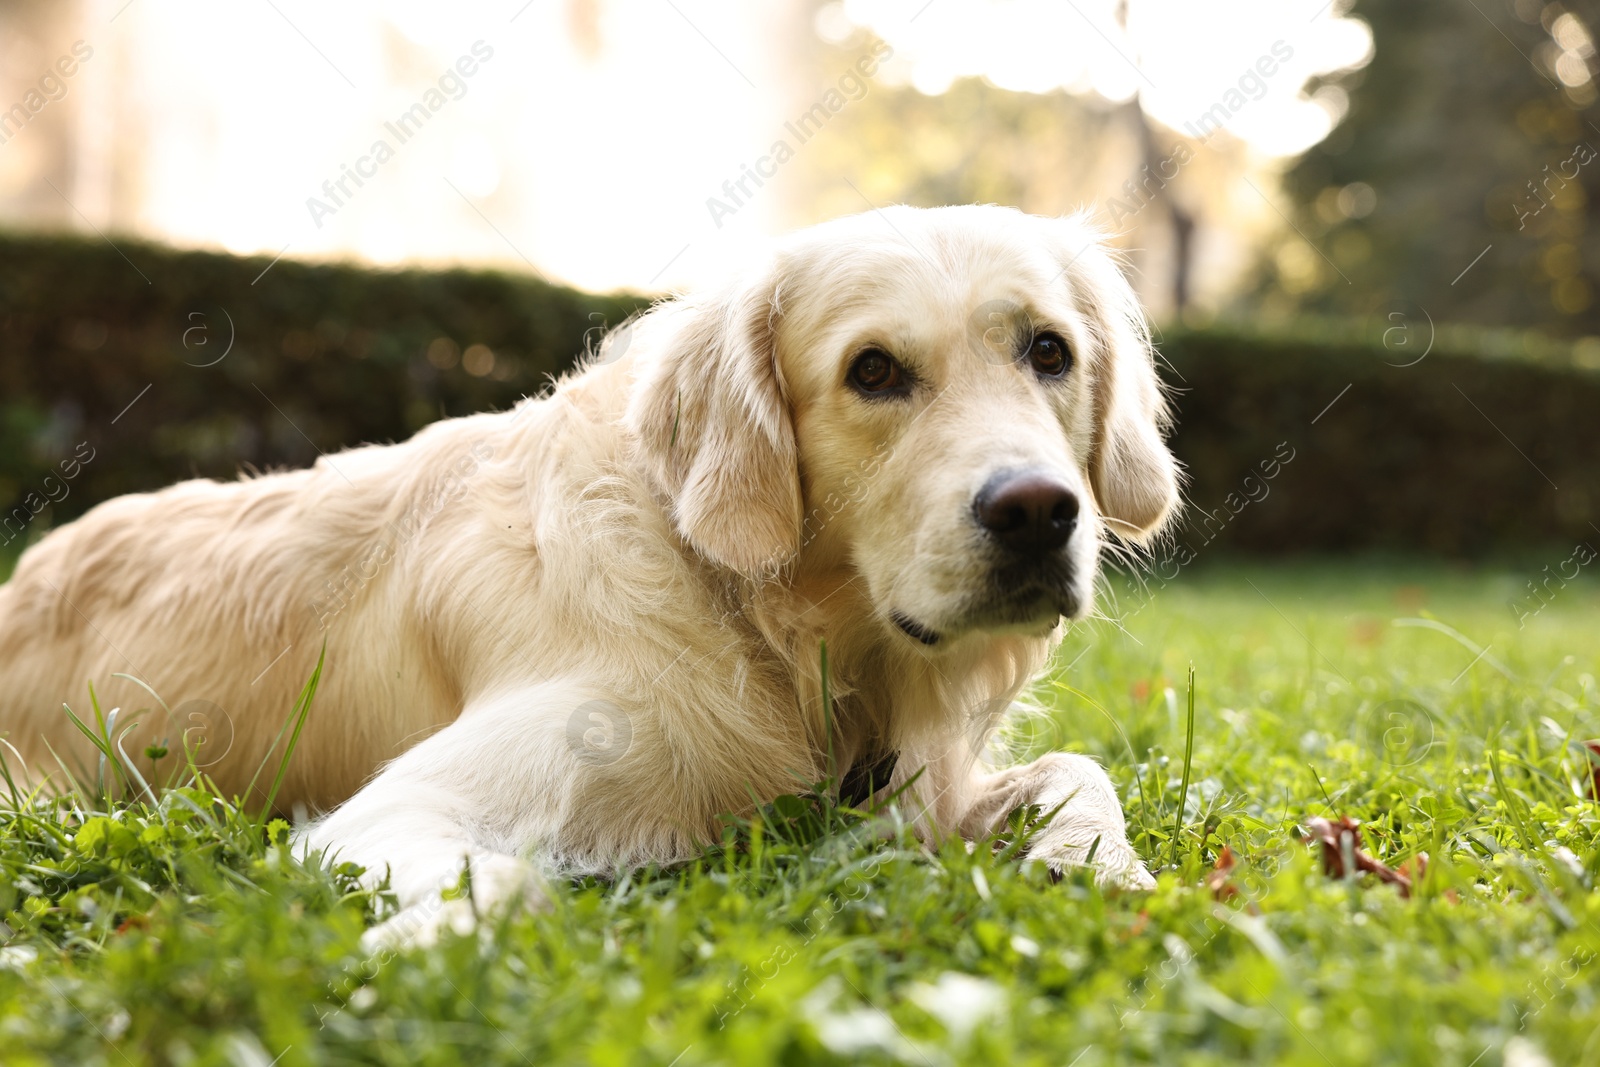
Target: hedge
[(119, 358), (1478, 447), (110, 382)]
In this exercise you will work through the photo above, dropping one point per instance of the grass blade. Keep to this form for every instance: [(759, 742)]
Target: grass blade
[(1188, 758), (302, 709), (827, 713), (5, 769)]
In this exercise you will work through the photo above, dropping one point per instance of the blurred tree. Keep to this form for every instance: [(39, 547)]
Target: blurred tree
[(1107, 109), (1471, 134), (1048, 153), (972, 144)]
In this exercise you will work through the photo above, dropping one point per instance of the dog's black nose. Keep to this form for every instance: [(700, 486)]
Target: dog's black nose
[(1030, 512)]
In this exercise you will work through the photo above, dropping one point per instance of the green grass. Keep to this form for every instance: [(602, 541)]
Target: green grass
[(185, 932)]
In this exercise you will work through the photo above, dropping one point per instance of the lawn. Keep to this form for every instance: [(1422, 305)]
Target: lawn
[(1403, 695)]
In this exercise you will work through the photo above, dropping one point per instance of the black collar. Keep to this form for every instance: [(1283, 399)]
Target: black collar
[(865, 777)]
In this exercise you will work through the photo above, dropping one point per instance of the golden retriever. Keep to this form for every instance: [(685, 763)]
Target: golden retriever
[(572, 635)]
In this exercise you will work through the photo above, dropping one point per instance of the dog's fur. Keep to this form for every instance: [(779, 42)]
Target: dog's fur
[(580, 631)]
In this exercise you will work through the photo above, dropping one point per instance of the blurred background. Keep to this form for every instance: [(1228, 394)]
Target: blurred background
[(235, 236)]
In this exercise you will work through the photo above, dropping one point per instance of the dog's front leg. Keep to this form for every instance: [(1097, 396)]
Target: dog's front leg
[(415, 832), (480, 792), (1089, 819)]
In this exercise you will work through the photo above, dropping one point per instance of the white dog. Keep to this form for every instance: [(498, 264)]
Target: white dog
[(572, 635)]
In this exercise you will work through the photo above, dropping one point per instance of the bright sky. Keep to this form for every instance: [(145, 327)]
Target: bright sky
[(210, 124), (1181, 57)]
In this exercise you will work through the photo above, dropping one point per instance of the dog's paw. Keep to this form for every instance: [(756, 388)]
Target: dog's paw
[(1131, 876), (420, 926), (1088, 829), (1115, 864), (499, 884), (1128, 874)]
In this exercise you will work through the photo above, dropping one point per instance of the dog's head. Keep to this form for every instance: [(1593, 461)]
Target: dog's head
[(952, 405)]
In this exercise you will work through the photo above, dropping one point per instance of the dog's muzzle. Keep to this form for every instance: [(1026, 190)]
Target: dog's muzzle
[(1028, 516)]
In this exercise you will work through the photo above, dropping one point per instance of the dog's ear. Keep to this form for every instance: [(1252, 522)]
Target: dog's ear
[(711, 423), (1134, 476)]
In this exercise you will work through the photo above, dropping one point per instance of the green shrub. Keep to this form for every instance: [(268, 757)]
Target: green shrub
[(323, 356), (1476, 448), (1486, 444)]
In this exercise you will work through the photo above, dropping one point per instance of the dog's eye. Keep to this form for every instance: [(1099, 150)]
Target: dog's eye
[(876, 371), (1049, 355)]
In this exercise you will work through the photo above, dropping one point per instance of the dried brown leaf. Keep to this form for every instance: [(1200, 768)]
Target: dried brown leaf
[(1220, 880), (1341, 838)]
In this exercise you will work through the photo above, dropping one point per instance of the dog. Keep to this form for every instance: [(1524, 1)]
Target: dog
[(881, 462)]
